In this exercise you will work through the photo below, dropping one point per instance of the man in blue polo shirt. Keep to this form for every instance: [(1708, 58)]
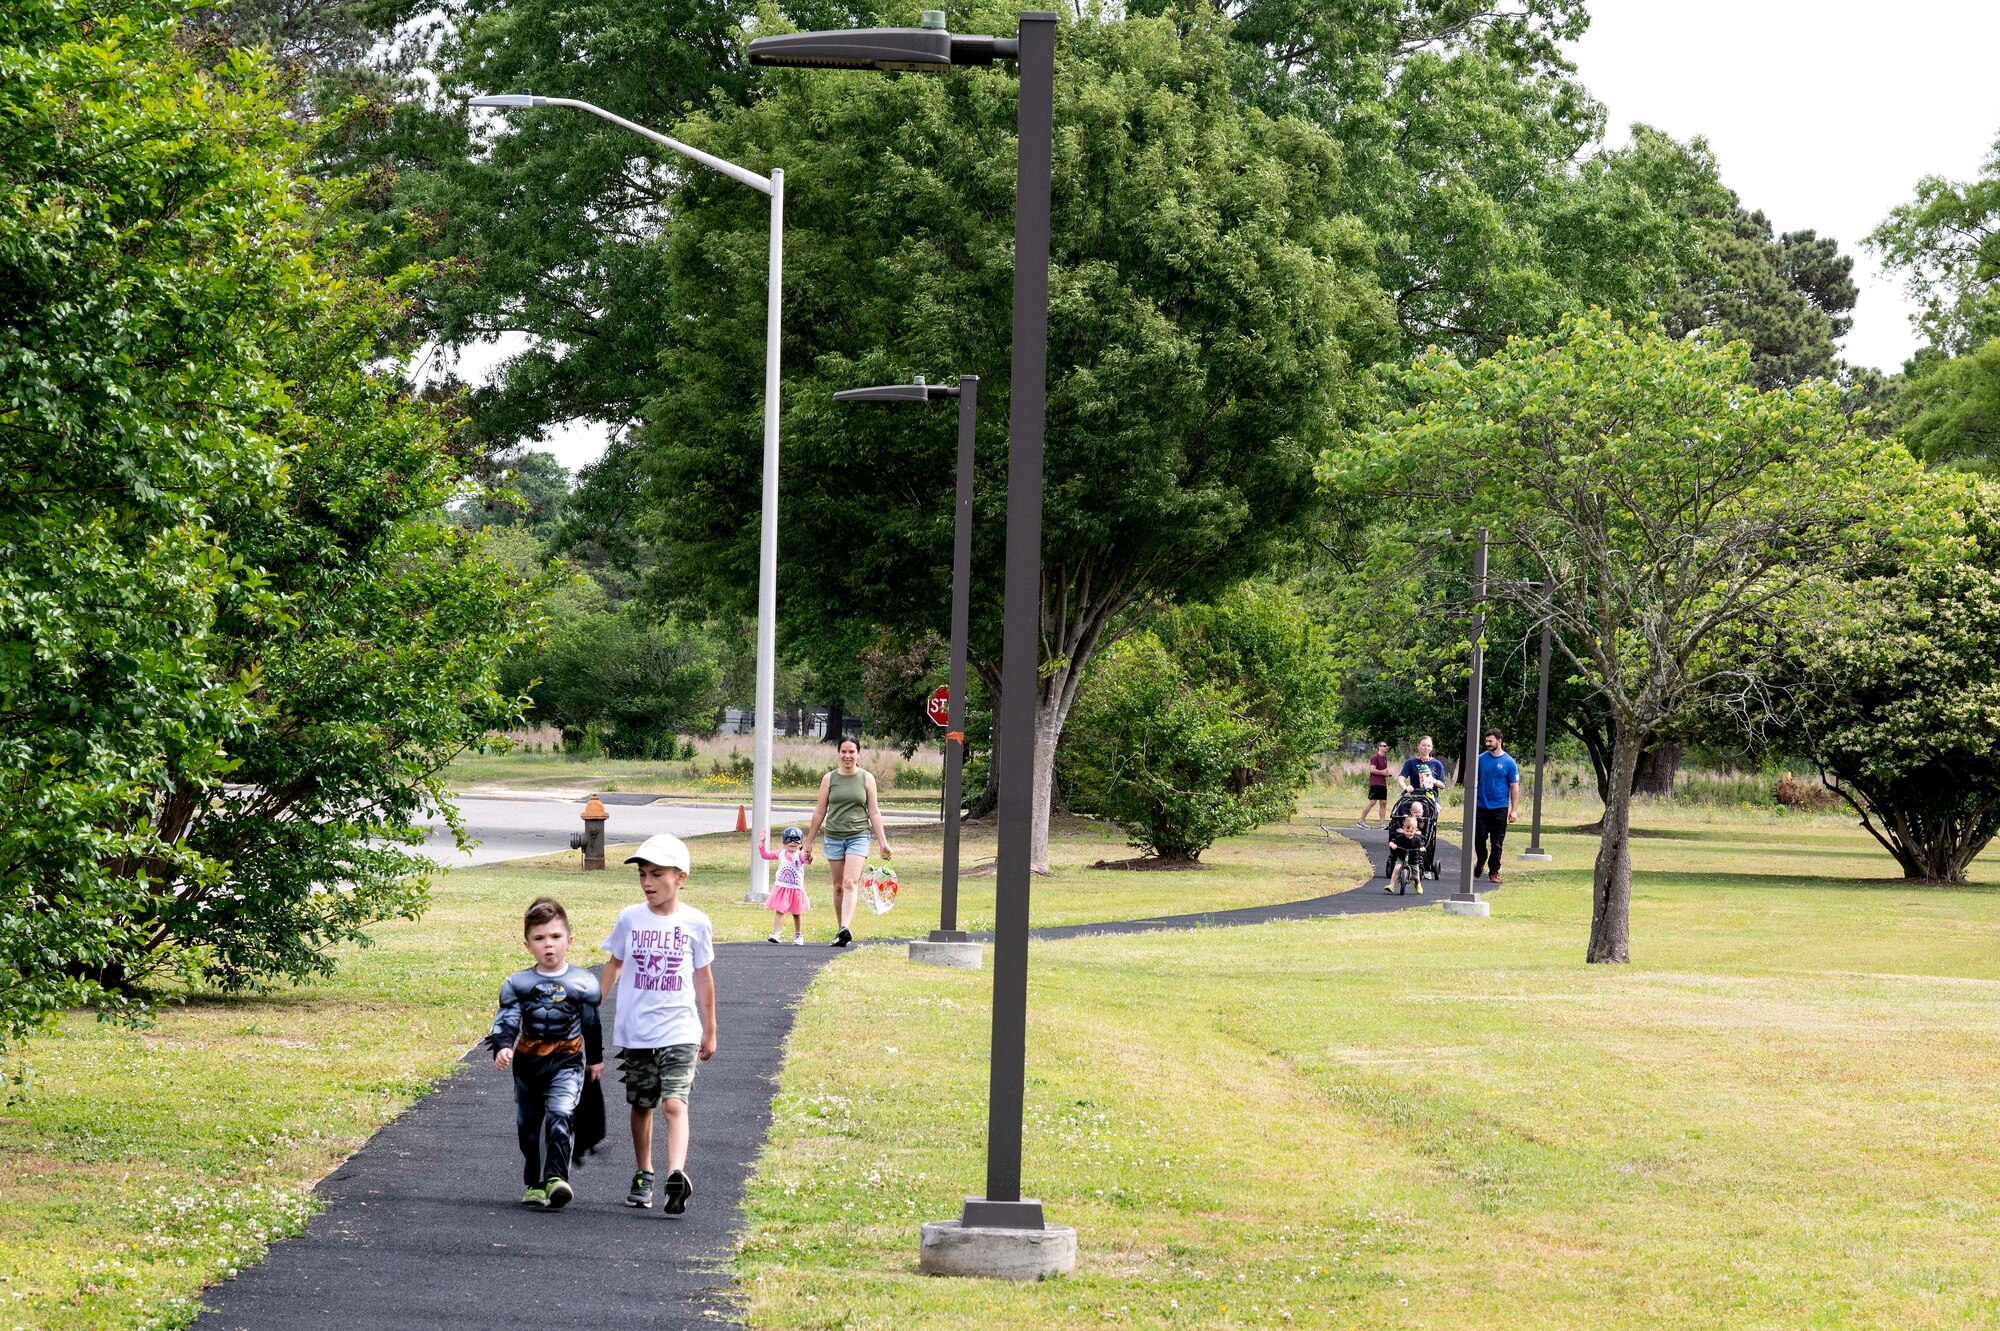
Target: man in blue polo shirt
[(1499, 804)]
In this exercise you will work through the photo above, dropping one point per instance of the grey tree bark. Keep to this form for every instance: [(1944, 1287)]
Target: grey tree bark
[(1611, 881)]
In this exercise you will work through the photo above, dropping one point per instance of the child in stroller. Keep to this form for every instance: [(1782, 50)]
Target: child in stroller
[(1406, 856), (1423, 808)]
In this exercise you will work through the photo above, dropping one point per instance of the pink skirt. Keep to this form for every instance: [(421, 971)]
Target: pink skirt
[(788, 901)]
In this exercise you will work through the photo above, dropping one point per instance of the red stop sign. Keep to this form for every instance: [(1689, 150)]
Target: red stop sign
[(939, 706)]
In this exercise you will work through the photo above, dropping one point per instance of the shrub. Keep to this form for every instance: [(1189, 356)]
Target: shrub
[(1204, 728), (795, 775), (634, 682), (1792, 793)]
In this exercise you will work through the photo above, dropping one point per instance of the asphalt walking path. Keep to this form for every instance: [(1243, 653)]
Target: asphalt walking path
[(420, 1233)]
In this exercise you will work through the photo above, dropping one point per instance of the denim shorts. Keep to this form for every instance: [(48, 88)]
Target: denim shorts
[(840, 847)]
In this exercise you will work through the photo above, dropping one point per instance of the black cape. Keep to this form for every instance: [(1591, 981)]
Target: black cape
[(588, 1122)]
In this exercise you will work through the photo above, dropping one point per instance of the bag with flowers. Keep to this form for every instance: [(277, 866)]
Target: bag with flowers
[(878, 887)]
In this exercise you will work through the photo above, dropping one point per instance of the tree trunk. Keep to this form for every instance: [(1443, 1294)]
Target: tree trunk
[(1079, 606), (1052, 704), (988, 799), (1597, 749), (1931, 844), (1658, 762), (836, 723), (1611, 882)]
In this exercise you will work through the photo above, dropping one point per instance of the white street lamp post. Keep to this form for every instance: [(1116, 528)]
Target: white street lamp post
[(767, 547)]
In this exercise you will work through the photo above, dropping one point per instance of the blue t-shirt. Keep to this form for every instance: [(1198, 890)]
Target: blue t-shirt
[(1413, 766), (1496, 773)]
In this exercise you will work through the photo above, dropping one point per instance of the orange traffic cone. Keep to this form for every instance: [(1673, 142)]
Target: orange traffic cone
[(742, 820)]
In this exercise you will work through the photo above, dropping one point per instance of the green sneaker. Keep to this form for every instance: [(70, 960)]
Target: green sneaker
[(559, 1193), (538, 1197)]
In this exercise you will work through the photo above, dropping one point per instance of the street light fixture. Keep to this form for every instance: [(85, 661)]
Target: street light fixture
[(957, 949), (1465, 901), (767, 551), (1534, 850), (1001, 1233)]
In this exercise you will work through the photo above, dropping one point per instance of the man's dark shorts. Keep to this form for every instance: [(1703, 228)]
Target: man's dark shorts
[(653, 1075)]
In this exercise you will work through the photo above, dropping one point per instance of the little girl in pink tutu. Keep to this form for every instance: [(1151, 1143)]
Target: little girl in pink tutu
[(788, 893)]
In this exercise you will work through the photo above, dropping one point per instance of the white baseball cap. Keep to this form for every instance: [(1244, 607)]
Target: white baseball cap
[(665, 850)]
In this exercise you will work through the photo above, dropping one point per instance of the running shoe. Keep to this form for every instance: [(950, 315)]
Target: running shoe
[(841, 939), (642, 1190), (678, 1188), (536, 1197), (798, 940), (1495, 877), (773, 938), (559, 1193)]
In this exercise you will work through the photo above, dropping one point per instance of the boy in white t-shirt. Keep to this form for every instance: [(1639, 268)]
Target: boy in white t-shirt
[(664, 1011)]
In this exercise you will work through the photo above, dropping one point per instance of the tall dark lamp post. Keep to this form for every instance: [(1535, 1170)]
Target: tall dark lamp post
[(948, 944), (1465, 901), (1534, 850), (1002, 1233)]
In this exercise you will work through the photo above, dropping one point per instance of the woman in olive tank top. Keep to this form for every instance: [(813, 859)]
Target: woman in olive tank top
[(847, 811)]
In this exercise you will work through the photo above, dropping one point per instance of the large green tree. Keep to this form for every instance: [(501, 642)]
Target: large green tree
[(1209, 304), (1946, 245), (1785, 297), (1473, 155), (1896, 695), (545, 223), (1670, 511), (1947, 408), (236, 646)]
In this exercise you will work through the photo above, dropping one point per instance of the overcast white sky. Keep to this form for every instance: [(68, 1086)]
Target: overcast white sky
[(1824, 113)]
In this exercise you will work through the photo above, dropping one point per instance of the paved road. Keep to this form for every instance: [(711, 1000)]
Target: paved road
[(421, 1233), (518, 826)]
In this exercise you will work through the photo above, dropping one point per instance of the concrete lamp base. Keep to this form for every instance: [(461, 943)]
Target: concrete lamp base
[(1456, 906), (954, 1248), (960, 956), (1534, 855)]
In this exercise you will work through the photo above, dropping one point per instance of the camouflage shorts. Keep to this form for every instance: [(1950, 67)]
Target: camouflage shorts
[(653, 1075)]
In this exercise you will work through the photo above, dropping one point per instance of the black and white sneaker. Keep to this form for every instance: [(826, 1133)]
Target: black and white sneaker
[(642, 1190), (773, 938), (841, 939), (678, 1188)]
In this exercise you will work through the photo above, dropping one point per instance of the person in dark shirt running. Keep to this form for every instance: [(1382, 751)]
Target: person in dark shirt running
[(547, 1033)]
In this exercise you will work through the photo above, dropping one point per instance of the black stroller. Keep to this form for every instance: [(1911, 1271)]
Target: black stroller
[(1424, 805)]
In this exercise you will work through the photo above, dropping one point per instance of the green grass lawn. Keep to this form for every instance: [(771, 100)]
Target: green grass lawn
[(720, 769), (1781, 1115), (140, 1165)]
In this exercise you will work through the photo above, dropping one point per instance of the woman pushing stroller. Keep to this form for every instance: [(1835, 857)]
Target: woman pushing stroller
[(1422, 779)]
